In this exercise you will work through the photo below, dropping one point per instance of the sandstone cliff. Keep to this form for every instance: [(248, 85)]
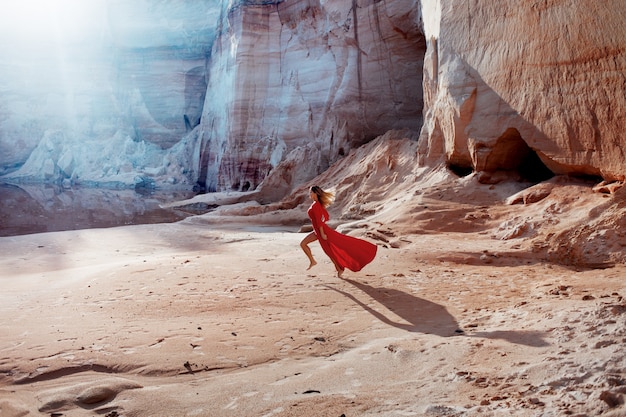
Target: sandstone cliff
[(504, 82), (257, 80), (133, 76), (285, 75), (220, 94)]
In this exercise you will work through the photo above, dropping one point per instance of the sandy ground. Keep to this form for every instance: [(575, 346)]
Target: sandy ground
[(182, 320), (469, 309)]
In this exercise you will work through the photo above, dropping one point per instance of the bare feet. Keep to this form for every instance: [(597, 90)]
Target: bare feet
[(313, 263), (340, 273)]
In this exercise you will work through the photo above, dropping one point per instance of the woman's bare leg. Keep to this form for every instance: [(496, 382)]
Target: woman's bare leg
[(311, 237), (339, 269), (340, 272)]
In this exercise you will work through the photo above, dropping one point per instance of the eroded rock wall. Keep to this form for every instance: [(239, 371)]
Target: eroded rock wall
[(332, 74), (220, 93), (134, 74), (549, 75), (232, 86)]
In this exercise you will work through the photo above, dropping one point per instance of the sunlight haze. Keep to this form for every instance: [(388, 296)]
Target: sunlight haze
[(37, 23)]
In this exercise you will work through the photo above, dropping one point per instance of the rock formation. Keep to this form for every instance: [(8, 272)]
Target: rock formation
[(220, 94), (256, 80), (291, 74), (504, 82), (135, 73)]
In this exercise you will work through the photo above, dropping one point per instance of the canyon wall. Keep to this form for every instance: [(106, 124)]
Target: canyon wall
[(212, 93), (219, 94), (98, 94), (507, 81), (331, 75)]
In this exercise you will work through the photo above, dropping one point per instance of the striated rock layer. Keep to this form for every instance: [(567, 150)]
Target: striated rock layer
[(539, 85), (256, 80), (222, 94), (331, 74)]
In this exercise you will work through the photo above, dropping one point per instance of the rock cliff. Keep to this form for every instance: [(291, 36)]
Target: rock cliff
[(133, 76), (285, 75), (539, 87), (254, 80), (219, 94)]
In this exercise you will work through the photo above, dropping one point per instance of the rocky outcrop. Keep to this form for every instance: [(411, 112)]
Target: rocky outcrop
[(539, 86), (252, 81)]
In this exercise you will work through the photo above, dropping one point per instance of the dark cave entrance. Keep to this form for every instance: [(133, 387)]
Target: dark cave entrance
[(460, 170), (512, 154)]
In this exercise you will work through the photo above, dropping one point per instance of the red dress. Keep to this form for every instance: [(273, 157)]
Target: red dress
[(347, 251)]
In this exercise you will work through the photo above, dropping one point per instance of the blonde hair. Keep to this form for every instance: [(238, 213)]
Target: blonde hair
[(326, 198)]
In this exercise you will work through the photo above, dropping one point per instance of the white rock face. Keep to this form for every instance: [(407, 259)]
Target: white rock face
[(135, 71), (297, 73), (221, 93), (502, 77), (260, 80)]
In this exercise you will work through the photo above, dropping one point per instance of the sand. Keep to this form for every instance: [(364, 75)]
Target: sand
[(464, 311), (176, 319)]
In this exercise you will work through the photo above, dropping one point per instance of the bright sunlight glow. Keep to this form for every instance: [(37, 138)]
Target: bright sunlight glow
[(37, 23)]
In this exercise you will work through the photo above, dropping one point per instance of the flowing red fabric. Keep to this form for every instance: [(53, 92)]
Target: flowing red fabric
[(347, 251)]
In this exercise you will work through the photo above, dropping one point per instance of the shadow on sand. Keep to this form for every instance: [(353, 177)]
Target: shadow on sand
[(423, 316), (419, 315)]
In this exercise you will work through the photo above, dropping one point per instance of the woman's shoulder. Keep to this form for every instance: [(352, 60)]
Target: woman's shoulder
[(317, 206)]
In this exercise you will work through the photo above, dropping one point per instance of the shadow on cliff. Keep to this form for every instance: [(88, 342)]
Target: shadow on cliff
[(423, 316)]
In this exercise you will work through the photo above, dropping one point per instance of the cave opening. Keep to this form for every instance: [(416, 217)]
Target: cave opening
[(460, 170), (533, 169), (512, 154)]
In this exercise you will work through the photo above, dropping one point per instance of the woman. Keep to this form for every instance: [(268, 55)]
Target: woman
[(345, 251)]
